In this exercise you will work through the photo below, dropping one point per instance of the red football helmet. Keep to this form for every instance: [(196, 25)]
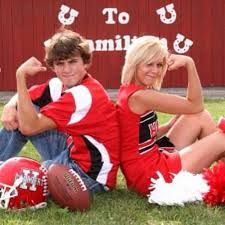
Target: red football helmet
[(23, 183)]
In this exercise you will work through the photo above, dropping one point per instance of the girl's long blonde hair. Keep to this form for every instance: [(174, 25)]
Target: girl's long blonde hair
[(144, 49)]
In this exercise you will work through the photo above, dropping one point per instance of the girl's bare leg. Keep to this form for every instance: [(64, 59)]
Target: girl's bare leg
[(192, 127), (203, 153)]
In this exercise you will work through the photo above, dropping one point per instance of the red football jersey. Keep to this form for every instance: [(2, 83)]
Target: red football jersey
[(141, 157), (88, 115)]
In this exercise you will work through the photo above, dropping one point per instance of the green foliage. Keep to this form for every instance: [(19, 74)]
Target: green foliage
[(216, 107), (121, 207)]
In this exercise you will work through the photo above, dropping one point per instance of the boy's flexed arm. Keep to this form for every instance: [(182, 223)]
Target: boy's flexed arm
[(30, 122)]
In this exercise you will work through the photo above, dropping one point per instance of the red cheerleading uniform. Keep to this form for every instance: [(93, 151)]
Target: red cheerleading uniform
[(141, 156), (86, 113)]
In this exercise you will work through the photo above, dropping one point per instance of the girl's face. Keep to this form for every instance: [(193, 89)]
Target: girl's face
[(148, 73)]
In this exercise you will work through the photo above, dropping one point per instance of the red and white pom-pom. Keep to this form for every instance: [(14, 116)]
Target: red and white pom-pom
[(215, 178), (221, 124), (185, 187)]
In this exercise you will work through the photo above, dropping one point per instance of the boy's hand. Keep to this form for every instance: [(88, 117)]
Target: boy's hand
[(30, 67), (9, 117)]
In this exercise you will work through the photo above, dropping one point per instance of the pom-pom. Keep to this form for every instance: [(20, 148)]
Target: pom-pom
[(215, 178), (221, 124), (185, 187)]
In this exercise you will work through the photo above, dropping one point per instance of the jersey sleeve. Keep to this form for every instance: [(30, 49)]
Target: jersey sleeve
[(71, 110), (36, 91)]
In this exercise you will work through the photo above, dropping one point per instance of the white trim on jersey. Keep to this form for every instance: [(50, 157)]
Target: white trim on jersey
[(83, 101), (148, 118), (149, 112), (55, 86), (107, 165)]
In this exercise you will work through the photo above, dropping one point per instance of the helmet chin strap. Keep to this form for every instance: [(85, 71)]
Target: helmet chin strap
[(40, 205), (5, 194)]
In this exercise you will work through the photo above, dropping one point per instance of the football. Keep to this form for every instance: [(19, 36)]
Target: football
[(67, 188)]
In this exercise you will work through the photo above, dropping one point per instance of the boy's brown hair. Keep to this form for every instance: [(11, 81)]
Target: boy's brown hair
[(66, 44)]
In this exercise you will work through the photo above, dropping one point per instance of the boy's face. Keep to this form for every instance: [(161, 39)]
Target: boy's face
[(70, 71)]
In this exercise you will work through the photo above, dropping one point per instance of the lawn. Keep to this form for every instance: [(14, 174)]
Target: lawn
[(121, 207)]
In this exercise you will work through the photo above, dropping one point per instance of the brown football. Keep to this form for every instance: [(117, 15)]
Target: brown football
[(67, 188)]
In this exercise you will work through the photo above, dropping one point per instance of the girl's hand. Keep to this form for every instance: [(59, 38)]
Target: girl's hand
[(176, 61)]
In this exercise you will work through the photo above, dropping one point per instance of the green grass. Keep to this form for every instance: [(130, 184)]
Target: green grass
[(121, 207)]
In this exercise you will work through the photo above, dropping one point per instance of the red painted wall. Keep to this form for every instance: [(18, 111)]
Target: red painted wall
[(26, 24)]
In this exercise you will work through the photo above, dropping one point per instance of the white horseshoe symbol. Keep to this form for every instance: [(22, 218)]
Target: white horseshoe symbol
[(72, 14), (187, 44), (162, 13)]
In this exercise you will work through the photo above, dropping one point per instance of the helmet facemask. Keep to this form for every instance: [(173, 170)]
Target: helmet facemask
[(7, 192)]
